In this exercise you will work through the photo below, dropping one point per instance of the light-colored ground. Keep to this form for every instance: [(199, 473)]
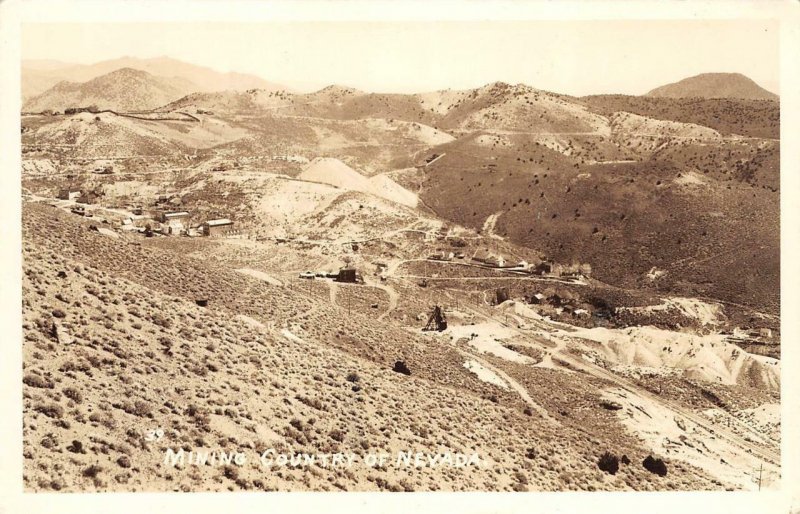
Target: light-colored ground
[(705, 313), (709, 358), (679, 438), (261, 276)]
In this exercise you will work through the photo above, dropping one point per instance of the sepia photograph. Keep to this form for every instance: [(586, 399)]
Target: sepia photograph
[(395, 255)]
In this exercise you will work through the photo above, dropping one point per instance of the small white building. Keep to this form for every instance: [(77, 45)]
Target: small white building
[(217, 227), (538, 298), (167, 217), (69, 194)]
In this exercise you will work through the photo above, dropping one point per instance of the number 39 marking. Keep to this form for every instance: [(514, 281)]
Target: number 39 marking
[(154, 435)]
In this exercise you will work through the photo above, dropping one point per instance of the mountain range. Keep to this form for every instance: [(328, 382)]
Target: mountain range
[(54, 85), (627, 183), (40, 75)]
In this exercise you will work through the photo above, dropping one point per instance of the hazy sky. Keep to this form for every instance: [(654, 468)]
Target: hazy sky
[(573, 57)]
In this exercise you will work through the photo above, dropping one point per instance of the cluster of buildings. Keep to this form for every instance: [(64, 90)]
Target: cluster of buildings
[(561, 304), (490, 259), (493, 260), (177, 223), (346, 274), (163, 221), (543, 268)]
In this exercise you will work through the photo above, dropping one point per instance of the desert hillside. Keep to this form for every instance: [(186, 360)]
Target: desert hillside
[(125, 89), (714, 85), (40, 75), (583, 293), (281, 367)]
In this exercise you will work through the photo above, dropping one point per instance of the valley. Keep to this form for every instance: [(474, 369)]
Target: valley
[(253, 270)]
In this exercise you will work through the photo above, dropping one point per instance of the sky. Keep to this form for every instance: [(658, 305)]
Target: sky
[(571, 57)]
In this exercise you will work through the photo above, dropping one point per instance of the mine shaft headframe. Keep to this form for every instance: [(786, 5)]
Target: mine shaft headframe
[(437, 320)]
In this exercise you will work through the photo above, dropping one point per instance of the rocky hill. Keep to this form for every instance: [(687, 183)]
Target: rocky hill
[(692, 207), (39, 75), (752, 118), (496, 106), (125, 89), (714, 85)]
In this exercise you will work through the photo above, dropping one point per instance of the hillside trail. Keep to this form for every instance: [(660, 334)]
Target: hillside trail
[(333, 289), (393, 298)]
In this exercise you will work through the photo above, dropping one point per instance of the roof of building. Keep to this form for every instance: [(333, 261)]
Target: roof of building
[(219, 222), (178, 214)]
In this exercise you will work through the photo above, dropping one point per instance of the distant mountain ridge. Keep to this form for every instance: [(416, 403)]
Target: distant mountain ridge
[(125, 89), (41, 74), (494, 106), (714, 85)]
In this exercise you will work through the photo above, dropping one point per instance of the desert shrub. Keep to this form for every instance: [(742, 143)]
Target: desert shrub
[(49, 441), (92, 471), (230, 472), (625, 460), (311, 402), (37, 381), (400, 367), (713, 398), (609, 463), (52, 410), (73, 394), (76, 447), (353, 377), (58, 313), (161, 320), (137, 408), (654, 465), (609, 405)]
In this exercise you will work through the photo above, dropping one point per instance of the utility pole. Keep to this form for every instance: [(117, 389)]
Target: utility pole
[(760, 470)]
